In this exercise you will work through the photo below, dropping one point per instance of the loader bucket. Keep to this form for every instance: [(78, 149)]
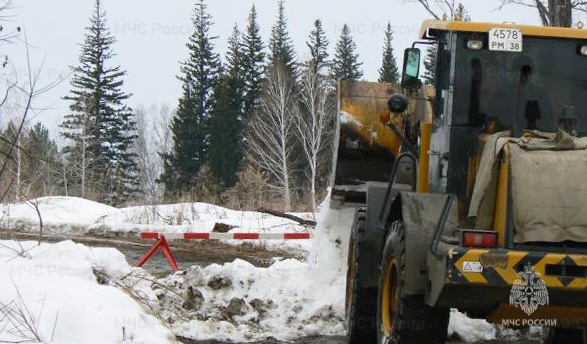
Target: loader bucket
[(366, 148)]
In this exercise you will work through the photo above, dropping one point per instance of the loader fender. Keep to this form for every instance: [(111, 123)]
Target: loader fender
[(421, 213), (372, 247)]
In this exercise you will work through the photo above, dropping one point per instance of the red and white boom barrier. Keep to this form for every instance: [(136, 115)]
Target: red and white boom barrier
[(162, 239), (227, 236)]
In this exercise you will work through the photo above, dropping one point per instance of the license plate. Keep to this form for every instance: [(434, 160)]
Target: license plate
[(505, 40)]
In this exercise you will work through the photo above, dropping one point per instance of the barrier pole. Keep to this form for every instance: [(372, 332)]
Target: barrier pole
[(161, 243)]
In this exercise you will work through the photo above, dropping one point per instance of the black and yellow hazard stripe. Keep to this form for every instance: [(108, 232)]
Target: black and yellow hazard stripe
[(500, 267)]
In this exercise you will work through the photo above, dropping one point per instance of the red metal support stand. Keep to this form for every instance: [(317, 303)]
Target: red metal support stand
[(161, 243)]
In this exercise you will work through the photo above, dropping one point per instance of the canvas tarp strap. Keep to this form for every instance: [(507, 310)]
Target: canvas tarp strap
[(539, 140)]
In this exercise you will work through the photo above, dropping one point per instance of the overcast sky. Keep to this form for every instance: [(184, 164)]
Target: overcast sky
[(151, 36)]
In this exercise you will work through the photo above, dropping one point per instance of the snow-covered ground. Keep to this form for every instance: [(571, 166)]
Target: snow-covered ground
[(53, 293), (74, 294)]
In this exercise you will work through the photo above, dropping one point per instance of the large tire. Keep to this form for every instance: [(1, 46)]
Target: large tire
[(360, 302), (566, 336), (404, 319)]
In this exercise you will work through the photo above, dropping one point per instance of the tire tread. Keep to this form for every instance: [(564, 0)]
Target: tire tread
[(416, 322), (361, 317)]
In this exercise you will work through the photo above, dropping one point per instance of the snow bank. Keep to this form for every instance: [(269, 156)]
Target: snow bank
[(78, 216), (290, 299), (240, 302), (470, 330), (57, 210), (54, 288)]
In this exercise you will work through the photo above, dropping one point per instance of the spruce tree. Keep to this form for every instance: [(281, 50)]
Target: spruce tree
[(121, 169), (318, 45), (225, 154), (41, 167), (462, 11), (281, 46), (100, 128), (10, 163), (253, 63), (346, 65), (388, 71), (430, 65), (191, 124)]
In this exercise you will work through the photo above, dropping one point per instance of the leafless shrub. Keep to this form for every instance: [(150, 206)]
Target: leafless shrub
[(20, 252), (19, 323), (252, 191), (126, 284)]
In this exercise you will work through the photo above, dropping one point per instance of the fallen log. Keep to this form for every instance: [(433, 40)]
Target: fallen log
[(297, 219)]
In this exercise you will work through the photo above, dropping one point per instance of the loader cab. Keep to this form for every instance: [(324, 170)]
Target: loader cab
[(495, 77)]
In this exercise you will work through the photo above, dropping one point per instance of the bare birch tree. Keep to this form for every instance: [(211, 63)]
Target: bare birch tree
[(18, 96), (438, 8), (154, 135), (271, 131), (552, 12), (7, 34), (141, 148), (315, 124)]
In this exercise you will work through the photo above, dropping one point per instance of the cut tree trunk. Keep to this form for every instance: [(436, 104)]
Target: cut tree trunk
[(297, 219)]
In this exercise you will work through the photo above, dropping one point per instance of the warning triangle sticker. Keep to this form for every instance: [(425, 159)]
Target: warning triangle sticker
[(472, 266)]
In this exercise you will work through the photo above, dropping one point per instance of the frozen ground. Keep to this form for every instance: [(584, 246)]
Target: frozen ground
[(75, 292)]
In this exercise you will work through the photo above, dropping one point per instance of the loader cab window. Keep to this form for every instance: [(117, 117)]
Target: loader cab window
[(528, 90)]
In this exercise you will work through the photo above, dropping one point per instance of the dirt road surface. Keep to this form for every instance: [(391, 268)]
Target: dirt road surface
[(187, 253)]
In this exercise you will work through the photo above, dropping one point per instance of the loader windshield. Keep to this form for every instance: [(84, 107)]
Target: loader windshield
[(527, 90)]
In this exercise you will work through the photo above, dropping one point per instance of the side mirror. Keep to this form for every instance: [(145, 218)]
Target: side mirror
[(411, 69)]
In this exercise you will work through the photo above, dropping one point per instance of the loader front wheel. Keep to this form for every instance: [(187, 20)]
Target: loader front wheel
[(360, 302), (404, 319)]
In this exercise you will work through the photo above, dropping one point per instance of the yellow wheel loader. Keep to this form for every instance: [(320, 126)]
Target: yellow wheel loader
[(471, 194)]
